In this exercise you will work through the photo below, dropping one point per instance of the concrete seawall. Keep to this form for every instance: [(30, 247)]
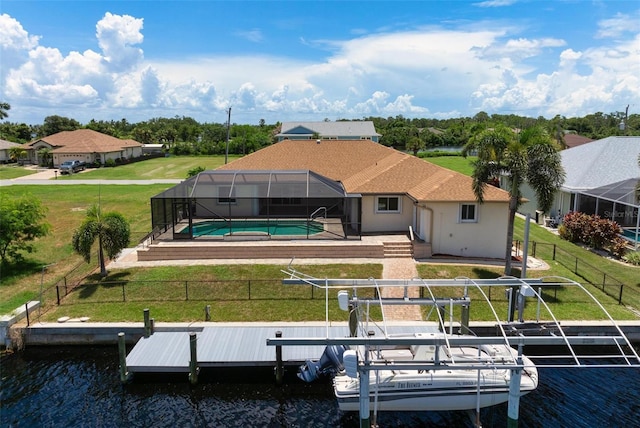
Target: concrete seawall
[(86, 333)]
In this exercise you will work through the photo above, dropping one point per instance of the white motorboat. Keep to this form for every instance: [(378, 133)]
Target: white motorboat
[(454, 377)]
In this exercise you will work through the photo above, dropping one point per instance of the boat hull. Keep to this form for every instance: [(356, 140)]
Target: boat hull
[(433, 390)]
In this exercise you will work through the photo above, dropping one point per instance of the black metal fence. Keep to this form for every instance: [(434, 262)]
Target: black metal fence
[(624, 294), (191, 290)]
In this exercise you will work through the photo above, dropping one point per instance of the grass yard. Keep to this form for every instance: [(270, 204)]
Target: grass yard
[(172, 167), (66, 210), (225, 288), (7, 172), (455, 163)]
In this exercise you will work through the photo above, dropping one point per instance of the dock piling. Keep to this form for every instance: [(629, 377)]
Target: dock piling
[(193, 362), (279, 364), (122, 350), (147, 324), (514, 393)]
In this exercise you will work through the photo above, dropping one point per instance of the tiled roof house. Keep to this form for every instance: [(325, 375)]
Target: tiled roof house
[(395, 191), (5, 148), (85, 145)]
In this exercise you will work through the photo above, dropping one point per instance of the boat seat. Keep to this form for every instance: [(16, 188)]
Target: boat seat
[(396, 354)]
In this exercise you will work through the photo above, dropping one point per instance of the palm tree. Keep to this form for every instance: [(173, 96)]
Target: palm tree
[(17, 153), (112, 231), (4, 107), (45, 156), (530, 156)]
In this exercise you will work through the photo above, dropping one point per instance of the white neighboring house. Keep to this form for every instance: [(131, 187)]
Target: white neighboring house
[(85, 145), (601, 178), (5, 148), (343, 130)]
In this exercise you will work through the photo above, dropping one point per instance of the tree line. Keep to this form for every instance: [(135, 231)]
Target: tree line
[(182, 135)]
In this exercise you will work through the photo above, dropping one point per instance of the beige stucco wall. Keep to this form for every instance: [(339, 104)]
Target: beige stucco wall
[(386, 222), (486, 238)]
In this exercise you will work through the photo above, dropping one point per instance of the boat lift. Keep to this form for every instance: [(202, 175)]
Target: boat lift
[(368, 333)]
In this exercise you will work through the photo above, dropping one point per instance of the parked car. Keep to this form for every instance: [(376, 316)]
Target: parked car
[(70, 167)]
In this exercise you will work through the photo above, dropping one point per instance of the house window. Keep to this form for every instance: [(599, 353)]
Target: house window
[(388, 204), (468, 213), (223, 195)]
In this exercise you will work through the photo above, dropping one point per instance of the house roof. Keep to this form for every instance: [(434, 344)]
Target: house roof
[(335, 129), (601, 163), (85, 141), (573, 140), (5, 145), (366, 167)]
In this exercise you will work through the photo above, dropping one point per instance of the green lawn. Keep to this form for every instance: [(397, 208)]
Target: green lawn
[(172, 167), (7, 172), (66, 207), (455, 163)]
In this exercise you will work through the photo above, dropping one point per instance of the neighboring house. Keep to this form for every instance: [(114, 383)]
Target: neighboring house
[(85, 145), (574, 140), (601, 178), (344, 130), (373, 189), (5, 149)]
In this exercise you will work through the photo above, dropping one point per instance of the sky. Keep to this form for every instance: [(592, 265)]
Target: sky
[(315, 60)]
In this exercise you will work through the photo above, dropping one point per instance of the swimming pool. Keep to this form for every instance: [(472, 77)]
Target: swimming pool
[(274, 227), (630, 234)]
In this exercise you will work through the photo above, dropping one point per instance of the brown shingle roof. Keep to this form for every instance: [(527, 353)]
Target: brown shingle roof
[(367, 167), (86, 141), (573, 140)]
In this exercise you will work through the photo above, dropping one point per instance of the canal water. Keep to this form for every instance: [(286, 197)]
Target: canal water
[(80, 387)]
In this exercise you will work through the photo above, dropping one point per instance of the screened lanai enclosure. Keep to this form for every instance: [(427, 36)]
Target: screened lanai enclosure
[(251, 205), (618, 202)]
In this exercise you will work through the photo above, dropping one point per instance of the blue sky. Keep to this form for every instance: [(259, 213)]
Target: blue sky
[(316, 60)]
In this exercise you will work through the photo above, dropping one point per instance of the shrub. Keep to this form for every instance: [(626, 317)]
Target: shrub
[(632, 257), (110, 163), (194, 171), (593, 231), (618, 247)]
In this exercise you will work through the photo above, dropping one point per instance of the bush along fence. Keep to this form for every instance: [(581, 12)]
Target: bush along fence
[(624, 294)]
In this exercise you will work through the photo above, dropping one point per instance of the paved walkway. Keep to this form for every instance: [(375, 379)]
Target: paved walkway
[(400, 268)]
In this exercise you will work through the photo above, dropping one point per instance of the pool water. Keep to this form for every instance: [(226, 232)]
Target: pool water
[(278, 228), (629, 233)]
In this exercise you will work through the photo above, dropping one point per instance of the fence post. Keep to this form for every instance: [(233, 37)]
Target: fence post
[(533, 249), (576, 268), (186, 290), (58, 294), (249, 286), (604, 280), (124, 296), (554, 252), (620, 297)]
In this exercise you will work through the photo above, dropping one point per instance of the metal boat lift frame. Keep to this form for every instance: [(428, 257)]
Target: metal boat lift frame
[(532, 287)]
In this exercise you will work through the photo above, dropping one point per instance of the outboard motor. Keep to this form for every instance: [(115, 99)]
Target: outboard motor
[(329, 363)]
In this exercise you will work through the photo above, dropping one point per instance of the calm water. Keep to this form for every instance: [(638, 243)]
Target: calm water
[(79, 387)]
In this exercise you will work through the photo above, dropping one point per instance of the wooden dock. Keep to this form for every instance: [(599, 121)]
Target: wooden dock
[(241, 345)]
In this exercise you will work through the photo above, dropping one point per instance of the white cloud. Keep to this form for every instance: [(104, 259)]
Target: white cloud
[(253, 35), (618, 25), (116, 35), (421, 72), (495, 3)]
